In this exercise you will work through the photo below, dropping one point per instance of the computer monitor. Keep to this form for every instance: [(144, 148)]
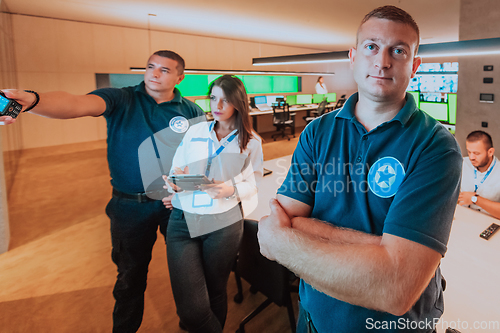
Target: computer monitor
[(416, 96), (304, 99), (260, 100), (318, 98), (331, 97), (452, 108), (291, 99), (438, 111), (272, 99), (204, 104)]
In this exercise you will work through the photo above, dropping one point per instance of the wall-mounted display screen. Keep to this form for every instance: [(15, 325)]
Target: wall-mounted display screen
[(434, 83), (197, 84), (435, 77)]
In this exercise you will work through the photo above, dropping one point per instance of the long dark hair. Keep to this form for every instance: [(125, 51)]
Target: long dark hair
[(236, 94)]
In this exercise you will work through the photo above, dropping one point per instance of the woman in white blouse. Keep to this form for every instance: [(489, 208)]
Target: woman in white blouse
[(206, 226), (321, 86)]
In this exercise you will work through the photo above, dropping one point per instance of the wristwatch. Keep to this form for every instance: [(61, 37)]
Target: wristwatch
[(474, 198), (232, 195)]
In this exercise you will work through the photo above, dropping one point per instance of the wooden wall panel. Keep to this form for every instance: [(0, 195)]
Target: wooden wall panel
[(62, 55)]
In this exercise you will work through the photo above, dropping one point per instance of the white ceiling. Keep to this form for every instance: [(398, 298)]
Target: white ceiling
[(328, 25)]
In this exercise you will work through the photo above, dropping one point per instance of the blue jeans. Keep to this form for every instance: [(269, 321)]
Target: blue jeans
[(199, 269), (134, 226)]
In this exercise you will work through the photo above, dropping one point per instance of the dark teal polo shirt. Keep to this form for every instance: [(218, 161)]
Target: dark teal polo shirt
[(401, 178), (132, 118)]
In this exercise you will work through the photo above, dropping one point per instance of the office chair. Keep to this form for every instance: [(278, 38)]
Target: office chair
[(282, 118), (318, 113), (340, 102), (268, 277)]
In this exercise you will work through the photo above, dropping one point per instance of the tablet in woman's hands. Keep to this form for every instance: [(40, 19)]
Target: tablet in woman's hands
[(189, 182)]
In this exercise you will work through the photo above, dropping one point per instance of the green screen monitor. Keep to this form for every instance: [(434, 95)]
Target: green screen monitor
[(438, 111), (304, 99), (452, 108), (318, 98), (204, 104), (331, 97), (416, 97), (285, 84), (291, 99)]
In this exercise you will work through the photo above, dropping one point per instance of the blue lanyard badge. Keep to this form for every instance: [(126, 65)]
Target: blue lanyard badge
[(476, 186), (223, 145), (202, 199)]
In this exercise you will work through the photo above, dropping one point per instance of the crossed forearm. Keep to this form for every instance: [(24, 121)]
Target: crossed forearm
[(360, 274), (327, 231)]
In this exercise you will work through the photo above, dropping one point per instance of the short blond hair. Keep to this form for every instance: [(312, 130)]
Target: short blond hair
[(392, 13)]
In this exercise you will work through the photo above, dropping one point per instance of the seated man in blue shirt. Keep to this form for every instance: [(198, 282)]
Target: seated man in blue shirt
[(481, 175), (365, 212)]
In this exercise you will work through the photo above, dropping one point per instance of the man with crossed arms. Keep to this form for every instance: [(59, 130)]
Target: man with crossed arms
[(368, 257)]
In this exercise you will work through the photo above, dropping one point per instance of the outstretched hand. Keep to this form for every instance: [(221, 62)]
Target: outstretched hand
[(24, 98)]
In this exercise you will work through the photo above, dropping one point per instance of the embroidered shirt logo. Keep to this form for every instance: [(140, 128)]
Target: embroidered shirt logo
[(385, 176), (179, 124)]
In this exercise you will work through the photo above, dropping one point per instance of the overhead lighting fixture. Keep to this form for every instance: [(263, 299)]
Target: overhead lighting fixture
[(461, 48), (302, 58), (239, 72)]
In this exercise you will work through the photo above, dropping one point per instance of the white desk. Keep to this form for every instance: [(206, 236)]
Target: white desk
[(254, 113), (471, 266), (269, 185)]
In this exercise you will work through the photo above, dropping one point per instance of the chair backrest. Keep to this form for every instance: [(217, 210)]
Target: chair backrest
[(340, 102), (322, 107), (281, 113), (266, 276)]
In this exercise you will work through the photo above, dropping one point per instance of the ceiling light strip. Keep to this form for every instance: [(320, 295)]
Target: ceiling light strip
[(239, 72), (461, 48), (302, 58)]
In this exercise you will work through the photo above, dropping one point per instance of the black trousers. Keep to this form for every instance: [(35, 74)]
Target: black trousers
[(134, 227)]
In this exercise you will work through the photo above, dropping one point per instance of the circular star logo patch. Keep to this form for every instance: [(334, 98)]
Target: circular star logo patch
[(385, 176), (179, 124)]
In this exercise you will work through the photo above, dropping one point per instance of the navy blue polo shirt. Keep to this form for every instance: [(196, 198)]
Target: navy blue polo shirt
[(401, 178), (134, 118)]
